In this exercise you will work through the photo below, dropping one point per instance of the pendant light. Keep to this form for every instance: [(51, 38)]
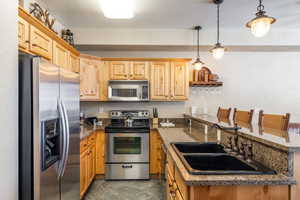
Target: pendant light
[(198, 63), (261, 24), (218, 50)]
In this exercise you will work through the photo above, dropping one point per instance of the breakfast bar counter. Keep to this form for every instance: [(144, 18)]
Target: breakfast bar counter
[(171, 135)]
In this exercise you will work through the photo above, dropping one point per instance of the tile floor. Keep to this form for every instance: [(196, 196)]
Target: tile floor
[(126, 190)]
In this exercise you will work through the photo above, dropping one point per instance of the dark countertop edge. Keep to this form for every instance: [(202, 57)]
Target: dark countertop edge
[(281, 181), (290, 181), (260, 140)]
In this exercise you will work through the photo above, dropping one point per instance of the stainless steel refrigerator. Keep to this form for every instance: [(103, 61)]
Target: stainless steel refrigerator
[(49, 131)]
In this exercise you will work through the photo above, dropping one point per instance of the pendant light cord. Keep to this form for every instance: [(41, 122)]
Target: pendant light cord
[(198, 43), (260, 7), (218, 23)]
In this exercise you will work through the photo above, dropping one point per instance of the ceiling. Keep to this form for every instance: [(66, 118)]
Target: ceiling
[(174, 14)]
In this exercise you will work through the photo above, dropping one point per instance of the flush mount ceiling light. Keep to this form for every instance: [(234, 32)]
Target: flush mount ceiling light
[(198, 63), (118, 9), (261, 24), (218, 50)]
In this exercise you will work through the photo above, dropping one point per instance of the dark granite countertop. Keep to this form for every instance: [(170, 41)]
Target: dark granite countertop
[(283, 140), (170, 135)]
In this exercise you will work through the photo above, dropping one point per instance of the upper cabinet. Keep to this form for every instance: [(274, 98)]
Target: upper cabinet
[(179, 84), (94, 75), (169, 81), (89, 79), (60, 56), (160, 75), (40, 43), (126, 70), (119, 70), (23, 34), (37, 39), (139, 70), (74, 63)]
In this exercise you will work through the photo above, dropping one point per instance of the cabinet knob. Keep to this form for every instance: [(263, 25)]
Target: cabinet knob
[(27, 41)]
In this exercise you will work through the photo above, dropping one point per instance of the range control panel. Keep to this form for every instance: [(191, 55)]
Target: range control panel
[(134, 114)]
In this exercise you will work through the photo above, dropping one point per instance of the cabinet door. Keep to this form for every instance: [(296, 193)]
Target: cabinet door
[(40, 43), (179, 88), (139, 71), (74, 63), (83, 172), (23, 34), (160, 80), (93, 161), (103, 80), (60, 56), (89, 173), (100, 149), (119, 70), (89, 80)]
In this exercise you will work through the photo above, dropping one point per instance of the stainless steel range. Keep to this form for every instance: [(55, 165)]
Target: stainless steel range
[(127, 145)]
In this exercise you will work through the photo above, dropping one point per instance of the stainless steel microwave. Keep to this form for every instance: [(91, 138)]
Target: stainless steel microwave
[(128, 90)]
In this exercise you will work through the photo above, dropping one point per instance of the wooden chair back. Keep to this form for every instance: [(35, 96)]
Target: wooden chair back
[(280, 122), (243, 116), (223, 113)]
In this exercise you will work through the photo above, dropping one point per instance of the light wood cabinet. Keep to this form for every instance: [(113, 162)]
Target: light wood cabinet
[(40, 43), (100, 155), (156, 158), (74, 64), (179, 84), (37, 39), (87, 162), (60, 56), (83, 172), (119, 70), (89, 79), (160, 76), (169, 81), (23, 34), (127, 70), (139, 71)]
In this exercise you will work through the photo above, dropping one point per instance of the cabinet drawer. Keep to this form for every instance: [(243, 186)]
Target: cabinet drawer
[(83, 145)]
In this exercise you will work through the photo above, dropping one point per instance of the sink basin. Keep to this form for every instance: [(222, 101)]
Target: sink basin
[(193, 147), (218, 164)]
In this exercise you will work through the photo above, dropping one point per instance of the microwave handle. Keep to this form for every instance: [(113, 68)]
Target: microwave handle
[(109, 92)]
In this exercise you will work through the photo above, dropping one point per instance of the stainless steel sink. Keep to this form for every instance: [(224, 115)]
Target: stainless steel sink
[(211, 159)]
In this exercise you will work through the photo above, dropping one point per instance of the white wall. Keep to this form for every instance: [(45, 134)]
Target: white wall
[(9, 101), (58, 25), (268, 81), (241, 36)]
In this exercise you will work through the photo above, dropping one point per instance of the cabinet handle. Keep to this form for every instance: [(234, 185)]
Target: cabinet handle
[(34, 45), (27, 41)]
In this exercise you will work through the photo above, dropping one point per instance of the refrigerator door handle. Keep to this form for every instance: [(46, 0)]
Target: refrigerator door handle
[(63, 123), (67, 142)]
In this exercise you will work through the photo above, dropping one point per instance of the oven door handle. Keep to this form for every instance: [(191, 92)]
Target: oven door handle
[(126, 166)]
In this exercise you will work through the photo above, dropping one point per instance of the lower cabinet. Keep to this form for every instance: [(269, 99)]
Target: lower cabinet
[(176, 189), (156, 154), (87, 162), (100, 155)]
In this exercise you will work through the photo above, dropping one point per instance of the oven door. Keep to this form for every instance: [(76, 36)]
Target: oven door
[(127, 147)]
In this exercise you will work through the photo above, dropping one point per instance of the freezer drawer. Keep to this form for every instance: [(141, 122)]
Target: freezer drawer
[(127, 171)]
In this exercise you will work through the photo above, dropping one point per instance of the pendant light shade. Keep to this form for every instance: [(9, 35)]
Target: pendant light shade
[(218, 50), (261, 24), (198, 64)]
